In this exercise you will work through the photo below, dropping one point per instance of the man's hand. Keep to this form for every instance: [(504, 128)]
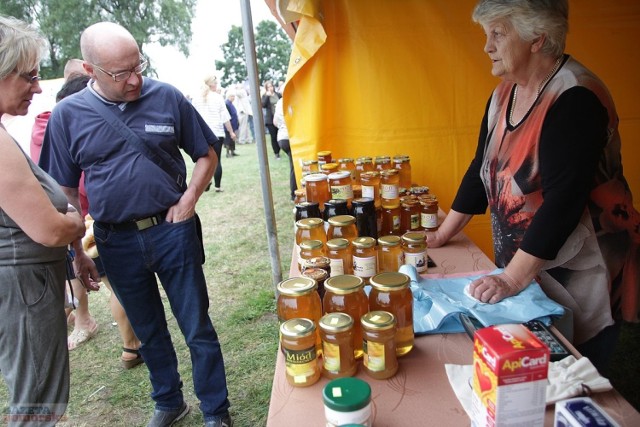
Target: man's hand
[(86, 271)]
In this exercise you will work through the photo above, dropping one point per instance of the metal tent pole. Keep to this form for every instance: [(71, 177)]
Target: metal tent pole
[(263, 160)]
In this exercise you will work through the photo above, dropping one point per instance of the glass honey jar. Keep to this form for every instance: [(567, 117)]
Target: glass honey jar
[(390, 254), (379, 345), (389, 188), (339, 253), (297, 340), (298, 298), (340, 184), (317, 274), (309, 229), (309, 249), (414, 246), (419, 190), (370, 186), (346, 294), (317, 188), (329, 168), (307, 210), (391, 221), (342, 226), (363, 164), (382, 163), (347, 164), (365, 257), (310, 166), (429, 212), (324, 157), (334, 207), (391, 292), (364, 211), (410, 215), (336, 334), (403, 164)]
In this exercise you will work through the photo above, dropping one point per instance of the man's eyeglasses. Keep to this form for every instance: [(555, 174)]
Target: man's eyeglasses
[(120, 77), (28, 77)]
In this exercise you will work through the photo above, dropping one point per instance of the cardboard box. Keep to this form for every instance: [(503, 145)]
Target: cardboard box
[(509, 377), (580, 412)]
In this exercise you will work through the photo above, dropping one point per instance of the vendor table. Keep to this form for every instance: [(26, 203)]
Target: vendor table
[(420, 393)]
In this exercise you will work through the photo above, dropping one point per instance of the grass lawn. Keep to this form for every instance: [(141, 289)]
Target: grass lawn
[(241, 292)]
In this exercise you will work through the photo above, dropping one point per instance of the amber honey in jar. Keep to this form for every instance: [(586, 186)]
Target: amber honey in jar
[(336, 334), (391, 292), (370, 185), (403, 164), (297, 340), (410, 215), (382, 163), (342, 226), (317, 188), (365, 257), (324, 157), (347, 164), (389, 188), (363, 164), (390, 254), (429, 212), (379, 345), (340, 184), (317, 263), (346, 294), (309, 249), (339, 253), (309, 229), (298, 297), (414, 246), (310, 166), (329, 168), (391, 221)]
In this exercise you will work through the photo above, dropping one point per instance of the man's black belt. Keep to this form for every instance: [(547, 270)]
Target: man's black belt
[(136, 224)]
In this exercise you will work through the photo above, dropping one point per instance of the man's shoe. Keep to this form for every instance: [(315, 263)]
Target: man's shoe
[(225, 421), (168, 418)]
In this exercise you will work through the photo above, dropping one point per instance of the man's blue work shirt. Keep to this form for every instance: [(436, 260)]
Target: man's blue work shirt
[(122, 183)]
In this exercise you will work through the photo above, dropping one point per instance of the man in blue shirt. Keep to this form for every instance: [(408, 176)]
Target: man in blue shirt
[(144, 218)]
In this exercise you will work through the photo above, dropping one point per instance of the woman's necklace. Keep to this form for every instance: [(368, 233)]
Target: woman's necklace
[(544, 82)]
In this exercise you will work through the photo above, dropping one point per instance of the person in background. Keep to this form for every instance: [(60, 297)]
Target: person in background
[(85, 325), (548, 143), (73, 67), (36, 225), (283, 142), (269, 101), (245, 115), (230, 141), (213, 110), (144, 220)]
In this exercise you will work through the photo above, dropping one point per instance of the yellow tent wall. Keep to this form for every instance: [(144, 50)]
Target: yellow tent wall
[(381, 77)]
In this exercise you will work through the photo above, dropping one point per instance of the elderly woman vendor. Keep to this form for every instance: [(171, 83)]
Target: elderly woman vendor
[(36, 225), (548, 146)]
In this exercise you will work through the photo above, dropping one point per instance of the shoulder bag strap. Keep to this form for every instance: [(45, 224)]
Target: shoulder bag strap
[(130, 136)]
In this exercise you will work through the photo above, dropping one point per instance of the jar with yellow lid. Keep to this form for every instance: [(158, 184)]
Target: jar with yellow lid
[(324, 157), (391, 292), (382, 163), (429, 212), (317, 188), (297, 340), (402, 163), (342, 226), (298, 297), (317, 274), (410, 215), (414, 246), (390, 254), (310, 166), (309, 249), (365, 257), (391, 221), (370, 182), (339, 253), (363, 164), (346, 294), (329, 168), (309, 229), (347, 164), (379, 344), (389, 188), (341, 187), (336, 334)]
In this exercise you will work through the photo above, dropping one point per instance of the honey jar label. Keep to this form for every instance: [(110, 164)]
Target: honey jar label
[(364, 267), (373, 355), (337, 267), (300, 364), (415, 222), (389, 191), (331, 357), (342, 192), (418, 260), (429, 220), (368, 191)]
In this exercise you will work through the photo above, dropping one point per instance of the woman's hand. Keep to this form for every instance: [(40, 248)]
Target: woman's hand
[(494, 288), (435, 239)]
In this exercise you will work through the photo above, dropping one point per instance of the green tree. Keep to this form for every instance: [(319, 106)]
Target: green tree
[(167, 22), (273, 49)]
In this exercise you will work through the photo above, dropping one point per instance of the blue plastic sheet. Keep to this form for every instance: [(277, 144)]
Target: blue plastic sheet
[(437, 303)]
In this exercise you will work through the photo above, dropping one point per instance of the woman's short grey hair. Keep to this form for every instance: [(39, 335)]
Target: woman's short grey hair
[(531, 19), (21, 46)]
